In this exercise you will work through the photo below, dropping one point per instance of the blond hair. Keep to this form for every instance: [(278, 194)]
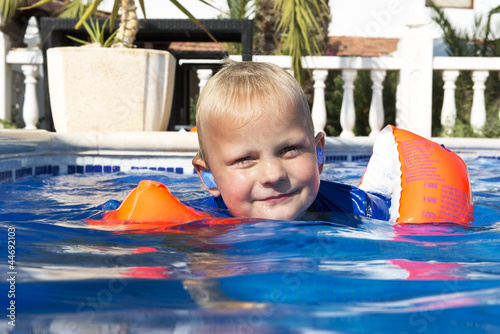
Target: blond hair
[(242, 92)]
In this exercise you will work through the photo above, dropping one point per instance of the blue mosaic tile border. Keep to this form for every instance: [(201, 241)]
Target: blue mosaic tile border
[(176, 170), (345, 157), (87, 169), (489, 157), (6, 176), (18, 173), (9, 171)]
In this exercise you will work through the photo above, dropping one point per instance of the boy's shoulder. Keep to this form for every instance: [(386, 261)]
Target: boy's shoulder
[(339, 197)]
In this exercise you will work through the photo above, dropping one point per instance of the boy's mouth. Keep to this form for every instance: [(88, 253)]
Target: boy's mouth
[(279, 198)]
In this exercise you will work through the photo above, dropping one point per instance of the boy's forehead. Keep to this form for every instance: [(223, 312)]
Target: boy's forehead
[(260, 122), (240, 113)]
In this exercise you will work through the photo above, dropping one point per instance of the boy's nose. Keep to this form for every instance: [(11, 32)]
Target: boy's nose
[(272, 172)]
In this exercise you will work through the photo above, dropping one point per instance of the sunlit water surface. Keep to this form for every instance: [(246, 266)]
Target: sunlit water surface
[(333, 273)]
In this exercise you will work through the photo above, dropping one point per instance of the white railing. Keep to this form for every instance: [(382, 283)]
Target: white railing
[(29, 59), (349, 67), (413, 61), (451, 67)]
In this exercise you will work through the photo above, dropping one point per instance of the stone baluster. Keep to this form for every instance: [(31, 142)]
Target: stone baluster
[(478, 112), (347, 111), (203, 76), (319, 109), (376, 115), (30, 108), (449, 111)]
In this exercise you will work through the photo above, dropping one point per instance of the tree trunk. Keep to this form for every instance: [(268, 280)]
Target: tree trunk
[(129, 25), (266, 37)]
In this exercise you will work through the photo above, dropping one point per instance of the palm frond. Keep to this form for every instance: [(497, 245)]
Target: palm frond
[(72, 9), (8, 8), (96, 34), (241, 9), (457, 41), (298, 22), (192, 18)]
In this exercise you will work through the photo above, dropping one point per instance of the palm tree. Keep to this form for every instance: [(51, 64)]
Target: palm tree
[(482, 42), (266, 37), (301, 23)]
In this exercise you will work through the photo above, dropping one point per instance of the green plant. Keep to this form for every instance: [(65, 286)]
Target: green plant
[(299, 25), (192, 109), (6, 124), (8, 8), (242, 9), (481, 41), (128, 27), (96, 34)]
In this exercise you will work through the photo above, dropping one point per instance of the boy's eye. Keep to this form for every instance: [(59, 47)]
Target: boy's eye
[(243, 161), (291, 151)]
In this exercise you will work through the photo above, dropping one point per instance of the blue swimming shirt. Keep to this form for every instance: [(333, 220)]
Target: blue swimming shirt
[(332, 197)]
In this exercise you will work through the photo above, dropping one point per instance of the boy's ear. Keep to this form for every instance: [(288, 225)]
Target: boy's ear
[(320, 150), (205, 176)]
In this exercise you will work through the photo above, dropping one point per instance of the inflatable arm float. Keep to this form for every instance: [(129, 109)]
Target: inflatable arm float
[(426, 182)]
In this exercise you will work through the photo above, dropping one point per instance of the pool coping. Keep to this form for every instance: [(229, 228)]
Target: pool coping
[(177, 141)]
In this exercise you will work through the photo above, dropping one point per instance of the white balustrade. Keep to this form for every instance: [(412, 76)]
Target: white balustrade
[(30, 109), (203, 76), (478, 112), (376, 115), (319, 108), (347, 111), (449, 110), (29, 59)]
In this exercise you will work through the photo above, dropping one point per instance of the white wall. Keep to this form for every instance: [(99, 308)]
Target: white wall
[(364, 18)]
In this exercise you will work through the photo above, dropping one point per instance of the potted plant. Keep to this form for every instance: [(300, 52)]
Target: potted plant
[(120, 88)]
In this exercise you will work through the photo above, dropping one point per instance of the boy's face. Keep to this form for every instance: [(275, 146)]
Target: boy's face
[(265, 169)]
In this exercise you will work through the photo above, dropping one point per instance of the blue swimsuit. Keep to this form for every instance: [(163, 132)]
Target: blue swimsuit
[(332, 197)]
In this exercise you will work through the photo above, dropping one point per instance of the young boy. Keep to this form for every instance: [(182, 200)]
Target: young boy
[(259, 157)]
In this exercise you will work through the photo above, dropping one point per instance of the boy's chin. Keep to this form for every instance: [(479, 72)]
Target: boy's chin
[(278, 215)]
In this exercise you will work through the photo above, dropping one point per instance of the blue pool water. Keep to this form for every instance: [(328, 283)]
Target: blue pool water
[(333, 273)]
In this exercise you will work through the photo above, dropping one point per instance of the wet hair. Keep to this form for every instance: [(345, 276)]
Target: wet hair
[(242, 92)]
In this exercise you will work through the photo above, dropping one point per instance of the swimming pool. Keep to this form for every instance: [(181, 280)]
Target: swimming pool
[(333, 272)]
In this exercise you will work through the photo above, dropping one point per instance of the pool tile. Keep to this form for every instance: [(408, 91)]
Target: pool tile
[(21, 172), (6, 176)]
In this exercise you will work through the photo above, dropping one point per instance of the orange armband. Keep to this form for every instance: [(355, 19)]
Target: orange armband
[(150, 205), (425, 181)]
